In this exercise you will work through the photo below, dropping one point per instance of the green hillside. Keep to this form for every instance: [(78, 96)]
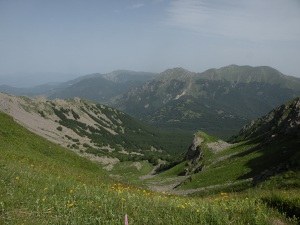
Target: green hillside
[(247, 164), (264, 159), (264, 148), (42, 183)]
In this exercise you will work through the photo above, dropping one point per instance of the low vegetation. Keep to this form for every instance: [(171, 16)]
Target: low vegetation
[(146, 142), (42, 183)]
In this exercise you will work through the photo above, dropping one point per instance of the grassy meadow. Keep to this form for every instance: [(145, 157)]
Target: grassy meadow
[(43, 183)]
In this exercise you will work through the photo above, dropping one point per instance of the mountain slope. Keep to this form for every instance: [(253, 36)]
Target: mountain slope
[(266, 152), (219, 101), (282, 121), (93, 130)]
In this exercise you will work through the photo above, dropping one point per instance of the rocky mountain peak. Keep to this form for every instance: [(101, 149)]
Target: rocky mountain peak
[(175, 73)]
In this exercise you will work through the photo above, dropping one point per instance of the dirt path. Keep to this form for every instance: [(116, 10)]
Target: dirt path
[(165, 185), (168, 185), (192, 191)]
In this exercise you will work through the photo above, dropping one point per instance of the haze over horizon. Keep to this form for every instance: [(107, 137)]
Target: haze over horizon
[(47, 41)]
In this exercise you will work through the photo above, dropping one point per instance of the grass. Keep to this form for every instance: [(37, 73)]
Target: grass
[(42, 183), (218, 171), (287, 202), (206, 137), (245, 160)]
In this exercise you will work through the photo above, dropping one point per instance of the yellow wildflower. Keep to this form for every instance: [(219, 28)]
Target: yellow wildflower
[(70, 205)]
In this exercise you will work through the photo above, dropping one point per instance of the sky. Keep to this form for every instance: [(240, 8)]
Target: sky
[(47, 41)]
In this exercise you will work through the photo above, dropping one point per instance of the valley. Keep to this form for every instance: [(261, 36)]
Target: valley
[(83, 162), (43, 183), (161, 112)]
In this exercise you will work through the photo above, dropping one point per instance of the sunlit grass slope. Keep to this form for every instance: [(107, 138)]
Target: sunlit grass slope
[(244, 164), (42, 183)]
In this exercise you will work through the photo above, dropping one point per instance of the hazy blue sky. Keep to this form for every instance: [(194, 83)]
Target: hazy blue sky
[(87, 36)]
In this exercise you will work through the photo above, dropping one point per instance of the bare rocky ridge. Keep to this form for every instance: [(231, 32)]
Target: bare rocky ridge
[(282, 121), (95, 131), (23, 110), (38, 116)]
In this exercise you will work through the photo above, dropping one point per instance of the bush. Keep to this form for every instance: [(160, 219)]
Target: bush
[(42, 113), (86, 145)]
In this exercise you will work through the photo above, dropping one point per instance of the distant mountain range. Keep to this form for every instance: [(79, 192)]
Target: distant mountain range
[(218, 101), (103, 87), (97, 87)]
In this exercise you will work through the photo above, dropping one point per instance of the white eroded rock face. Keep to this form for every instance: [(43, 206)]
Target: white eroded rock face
[(26, 112), (40, 116), (87, 128)]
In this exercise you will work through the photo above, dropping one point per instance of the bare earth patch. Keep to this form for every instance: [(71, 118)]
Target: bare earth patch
[(218, 146), (168, 185), (107, 162), (137, 165)]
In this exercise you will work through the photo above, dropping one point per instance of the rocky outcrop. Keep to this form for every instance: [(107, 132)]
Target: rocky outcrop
[(194, 151), (282, 121), (89, 129), (194, 157)]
